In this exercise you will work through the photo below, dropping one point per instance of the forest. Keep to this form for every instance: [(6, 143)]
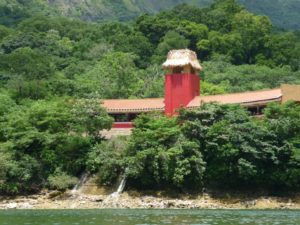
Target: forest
[(283, 13), (54, 71)]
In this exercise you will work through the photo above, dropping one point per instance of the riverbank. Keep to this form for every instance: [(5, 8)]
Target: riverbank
[(69, 200)]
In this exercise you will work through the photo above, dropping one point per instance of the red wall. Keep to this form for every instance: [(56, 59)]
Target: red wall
[(180, 89)]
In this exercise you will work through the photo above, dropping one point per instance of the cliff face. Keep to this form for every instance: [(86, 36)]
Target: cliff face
[(117, 9), (283, 13)]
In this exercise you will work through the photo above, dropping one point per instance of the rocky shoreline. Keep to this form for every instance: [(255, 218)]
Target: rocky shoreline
[(127, 200)]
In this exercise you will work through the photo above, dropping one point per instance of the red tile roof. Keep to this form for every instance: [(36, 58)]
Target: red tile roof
[(245, 98), (157, 104), (134, 105)]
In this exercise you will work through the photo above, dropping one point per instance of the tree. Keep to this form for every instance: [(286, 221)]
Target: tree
[(155, 27), (28, 63), (284, 120), (193, 32), (254, 31), (6, 104), (241, 151), (4, 31), (159, 156), (172, 40), (244, 154), (45, 137), (107, 159), (283, 50), (22, 40), (115, 76), (92, 118), (133, 42), (226, 44), (247, 77), (211, 89), (154, 81), (186, 12), (221, 13)]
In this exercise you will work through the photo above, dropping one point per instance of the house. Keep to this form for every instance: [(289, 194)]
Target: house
[(182, 89)]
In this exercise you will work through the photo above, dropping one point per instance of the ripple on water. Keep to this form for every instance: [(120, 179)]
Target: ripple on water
[(149, 217)]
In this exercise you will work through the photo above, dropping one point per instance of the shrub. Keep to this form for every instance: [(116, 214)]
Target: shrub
[(159, 156), (107, 159), (38, 138), (61, 180)]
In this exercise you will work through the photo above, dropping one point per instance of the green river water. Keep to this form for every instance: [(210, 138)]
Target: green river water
[(145, 217)]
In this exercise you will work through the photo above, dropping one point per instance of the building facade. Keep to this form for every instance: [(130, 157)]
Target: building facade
[(182, 89)]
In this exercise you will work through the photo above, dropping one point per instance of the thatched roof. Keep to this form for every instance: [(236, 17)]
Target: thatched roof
[(182, 57)]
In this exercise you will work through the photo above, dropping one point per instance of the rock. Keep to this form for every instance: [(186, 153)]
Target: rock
[(249, 204), (20, 200), (32, 201), (170, 204), (12, 205), (54, 194), (65, 200), (282, 205), (34, 196), (98, 200), (25, 206)]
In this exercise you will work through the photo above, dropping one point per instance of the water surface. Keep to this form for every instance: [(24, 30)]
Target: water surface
[(148, 217)]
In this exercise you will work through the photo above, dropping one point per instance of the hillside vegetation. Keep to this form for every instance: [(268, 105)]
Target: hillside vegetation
[(54, 71), (283, 13), (90, 10)]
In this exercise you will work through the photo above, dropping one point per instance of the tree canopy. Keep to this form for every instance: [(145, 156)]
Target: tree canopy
[(54, 71)]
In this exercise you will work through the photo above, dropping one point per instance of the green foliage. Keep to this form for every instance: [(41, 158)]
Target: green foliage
[(107, 159), (241, 151), (285, 122), (153, 82), (213, 146), (54, 70), (247, 77), (6, 104), (172, 40), (225, 28), (43, 136), (245, 153), (31, 64), (283, 13), (48, 56), (159, 156), (115, 76), (284, 51), (18, 174), (254, 31), (90, 117), (221, 15), (4, 31), (211, 89), (61, 181)]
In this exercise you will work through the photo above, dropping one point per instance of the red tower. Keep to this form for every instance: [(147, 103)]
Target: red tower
[(182, 83)]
